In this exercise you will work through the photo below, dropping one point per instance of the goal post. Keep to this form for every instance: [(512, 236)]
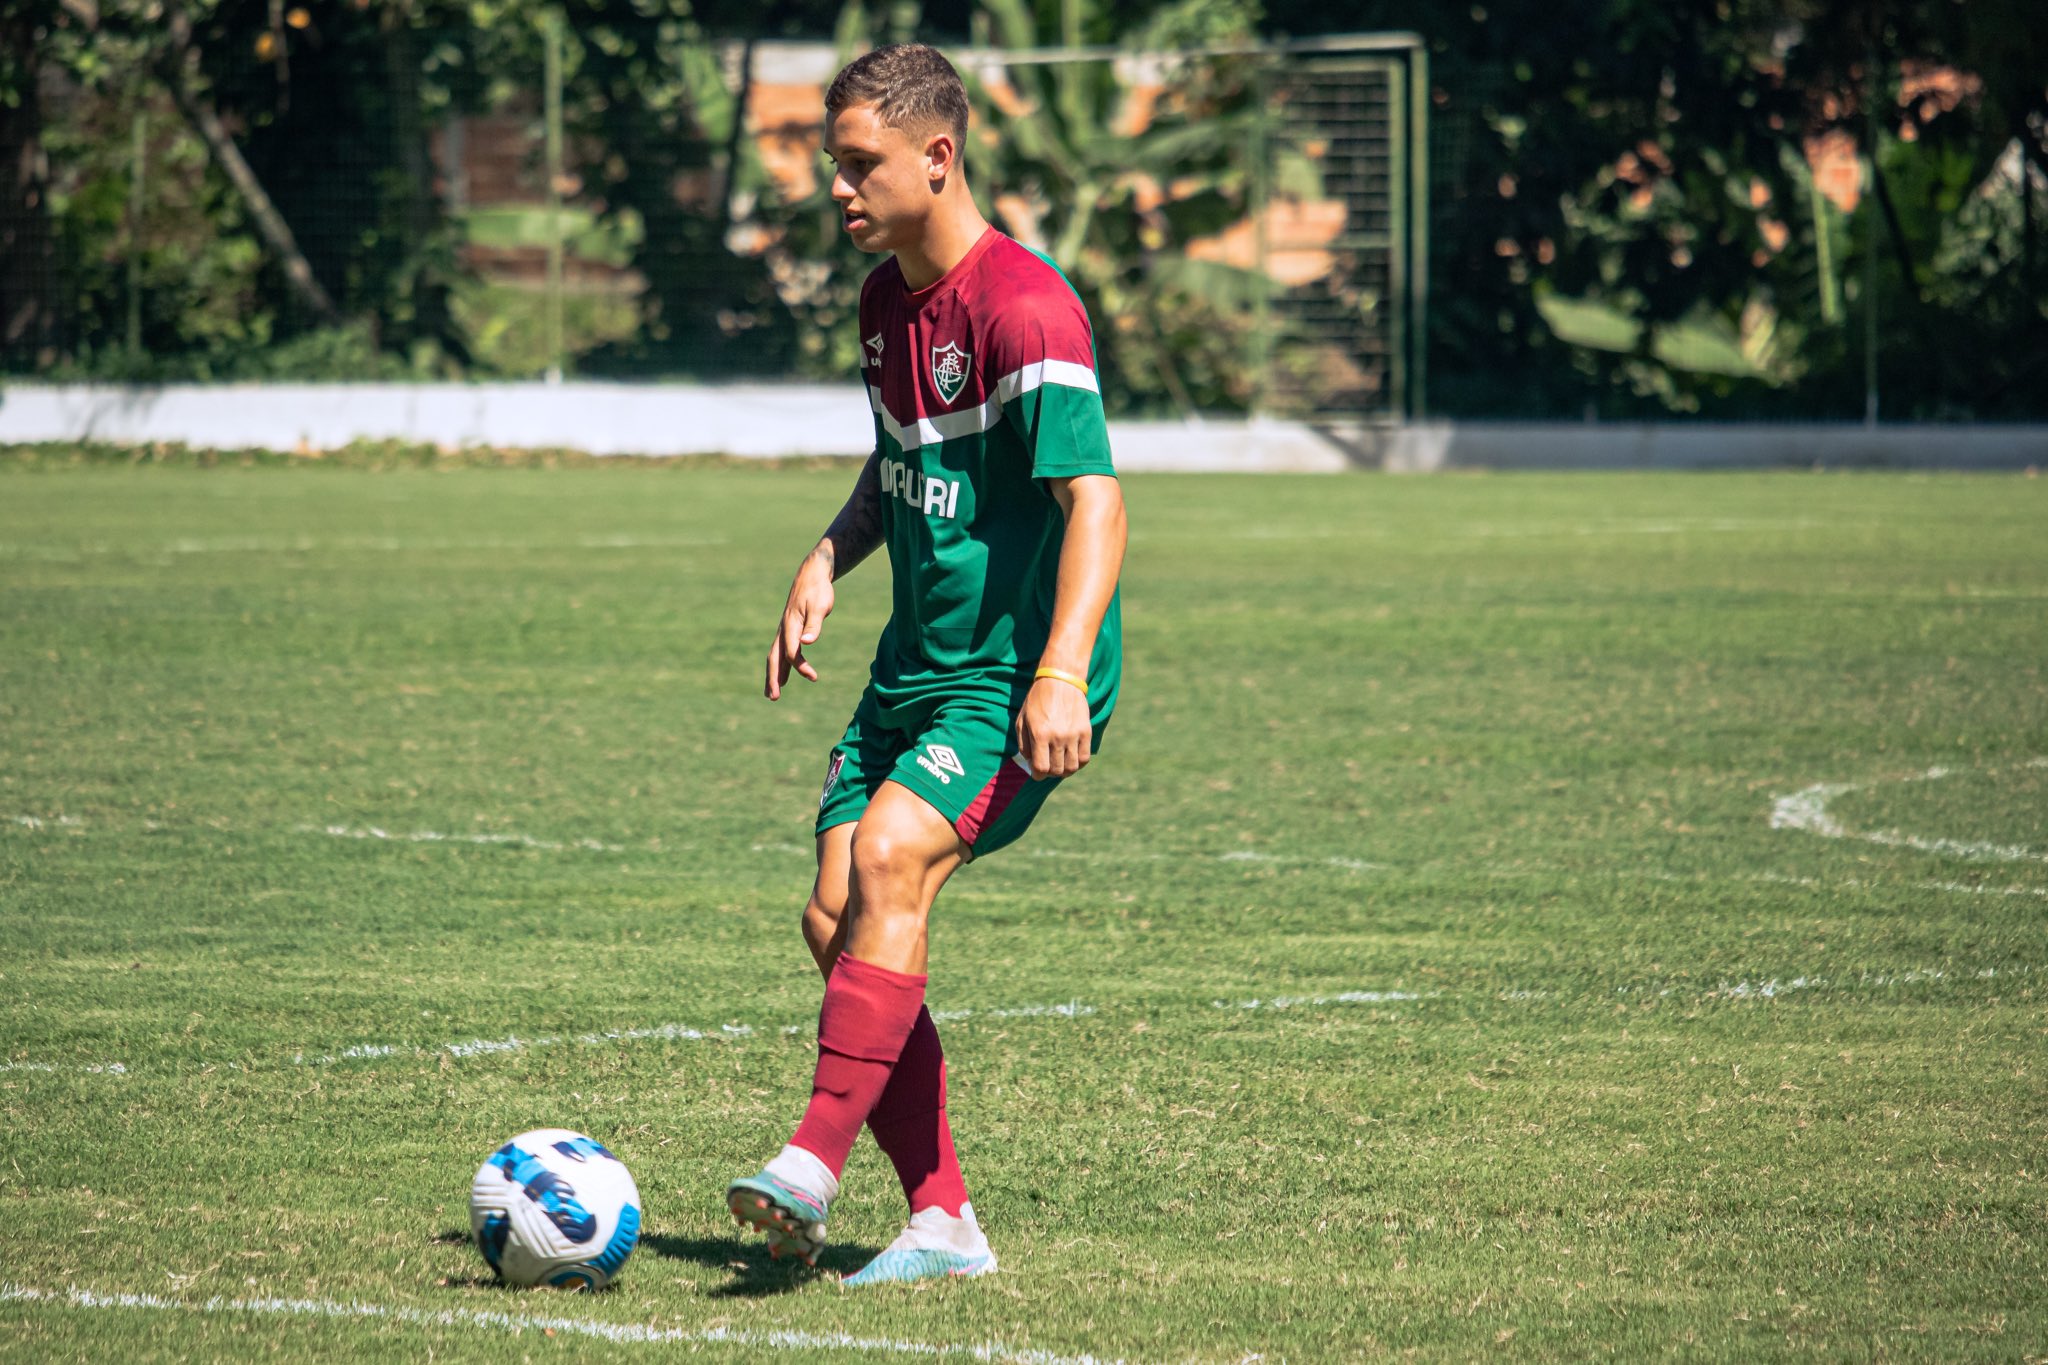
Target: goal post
[(1365, 99), (1252, 220)]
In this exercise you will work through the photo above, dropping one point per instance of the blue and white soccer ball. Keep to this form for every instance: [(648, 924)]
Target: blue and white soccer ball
[(554, 1207)]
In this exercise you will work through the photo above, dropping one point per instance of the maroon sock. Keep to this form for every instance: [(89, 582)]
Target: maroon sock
[(867, 1015), (909, 1122)]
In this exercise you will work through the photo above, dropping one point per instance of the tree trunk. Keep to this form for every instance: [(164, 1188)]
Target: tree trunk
[(425, 266), (735, 140), (28, 256), (180, 64), (408, 127)]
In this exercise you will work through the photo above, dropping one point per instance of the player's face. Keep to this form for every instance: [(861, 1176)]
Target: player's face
[(885, 181)]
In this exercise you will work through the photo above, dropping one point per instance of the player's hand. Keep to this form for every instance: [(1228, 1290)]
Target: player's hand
[(803, 617), (1053, 732)]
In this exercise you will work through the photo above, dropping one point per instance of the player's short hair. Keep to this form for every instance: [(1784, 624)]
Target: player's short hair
[(913, 87)]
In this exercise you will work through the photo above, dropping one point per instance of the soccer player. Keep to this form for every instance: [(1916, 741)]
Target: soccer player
[(991, 485)]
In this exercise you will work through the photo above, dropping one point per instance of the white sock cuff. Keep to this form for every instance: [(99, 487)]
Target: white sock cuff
[(796, 1166)]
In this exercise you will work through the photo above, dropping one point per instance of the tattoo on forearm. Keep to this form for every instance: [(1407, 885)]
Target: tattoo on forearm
[(857, 531)]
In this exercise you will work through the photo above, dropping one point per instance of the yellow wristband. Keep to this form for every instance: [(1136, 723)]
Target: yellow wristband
[(1079, 682)]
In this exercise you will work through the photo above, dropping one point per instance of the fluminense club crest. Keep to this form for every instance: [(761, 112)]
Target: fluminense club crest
[(949, 370)]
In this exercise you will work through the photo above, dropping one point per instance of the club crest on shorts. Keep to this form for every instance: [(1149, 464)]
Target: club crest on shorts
[(832, 777), (949, 370)]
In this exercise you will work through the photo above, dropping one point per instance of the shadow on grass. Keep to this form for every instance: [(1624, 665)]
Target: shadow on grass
[(487, 1283), (755, 1273)]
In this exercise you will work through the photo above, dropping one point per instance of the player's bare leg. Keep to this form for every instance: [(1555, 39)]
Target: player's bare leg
[(825, 913), (902, 852), (866, 925)]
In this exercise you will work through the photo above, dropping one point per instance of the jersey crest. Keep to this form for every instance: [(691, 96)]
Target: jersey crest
[(949, 370)]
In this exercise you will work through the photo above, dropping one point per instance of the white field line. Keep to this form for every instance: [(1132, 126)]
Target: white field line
[(1767, 990), (1245, 855), (428, 836), (1288, 1002), (1683, 526), (1807, 810), (618, 1333), (375, 833), (369, 832), (1239, 855), (1772, 987), (1073, 1009), (1486, 531), (1855, 884), (44, 822), (466, 1048), (194, 545), (1360, 865), (1962, 889), (666, 1033), (484, 1047), (1242, 855), (1745, 988)]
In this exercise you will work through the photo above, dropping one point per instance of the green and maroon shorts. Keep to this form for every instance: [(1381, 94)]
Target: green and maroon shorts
[(958, 753)]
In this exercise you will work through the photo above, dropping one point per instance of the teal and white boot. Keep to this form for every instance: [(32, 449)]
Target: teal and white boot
[(935, 1246), (788, 1201)]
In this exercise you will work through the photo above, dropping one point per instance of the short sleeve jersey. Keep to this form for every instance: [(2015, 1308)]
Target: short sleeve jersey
[(983, 386)]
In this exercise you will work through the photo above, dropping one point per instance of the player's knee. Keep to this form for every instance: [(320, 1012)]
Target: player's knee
[(882, 858), (877, 857)]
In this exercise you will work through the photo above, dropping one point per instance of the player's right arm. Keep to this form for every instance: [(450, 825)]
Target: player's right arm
[(853, 535)]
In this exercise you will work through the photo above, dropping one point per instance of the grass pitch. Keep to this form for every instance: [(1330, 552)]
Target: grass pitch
[(1573, 915)]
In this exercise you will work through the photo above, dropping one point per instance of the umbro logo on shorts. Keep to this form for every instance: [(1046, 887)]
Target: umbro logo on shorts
[(939, 760)]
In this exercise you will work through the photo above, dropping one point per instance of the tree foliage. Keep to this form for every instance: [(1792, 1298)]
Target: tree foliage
[(1112, 174), (1627, 215), (1652, 160)]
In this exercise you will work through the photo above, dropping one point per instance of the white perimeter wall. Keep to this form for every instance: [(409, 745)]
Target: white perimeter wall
[(779, 420)]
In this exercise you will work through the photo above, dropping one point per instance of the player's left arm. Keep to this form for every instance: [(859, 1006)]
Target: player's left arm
[(1054, 732)]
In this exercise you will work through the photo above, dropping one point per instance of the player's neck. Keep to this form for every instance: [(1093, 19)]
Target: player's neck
[(949, 234)]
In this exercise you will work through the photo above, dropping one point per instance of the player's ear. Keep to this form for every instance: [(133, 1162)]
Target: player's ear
[(942, 156)]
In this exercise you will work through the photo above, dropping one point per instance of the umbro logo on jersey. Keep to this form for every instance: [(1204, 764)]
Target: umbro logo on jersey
[(949, 370), (874, 343), (941, 762)]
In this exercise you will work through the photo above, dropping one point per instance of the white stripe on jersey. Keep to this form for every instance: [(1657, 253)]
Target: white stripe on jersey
[(1065, 373), (945, 427)]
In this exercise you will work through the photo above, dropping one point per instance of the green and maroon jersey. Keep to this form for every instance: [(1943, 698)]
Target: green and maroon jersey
[(983, 386)]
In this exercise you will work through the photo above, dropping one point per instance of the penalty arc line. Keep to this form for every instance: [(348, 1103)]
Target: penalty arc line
[(619, 1333), (1807, 810)]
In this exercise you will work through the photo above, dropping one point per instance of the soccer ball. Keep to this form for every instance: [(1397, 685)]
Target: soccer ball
[(554, 1207)]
